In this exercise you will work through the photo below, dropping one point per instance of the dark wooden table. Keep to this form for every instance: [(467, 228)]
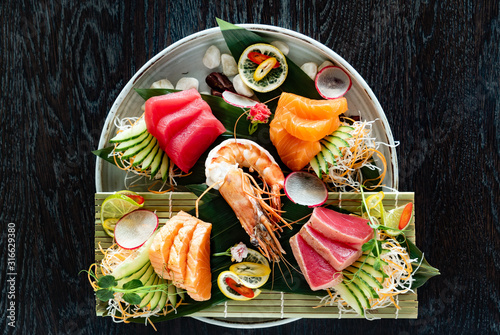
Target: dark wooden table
[(434, 66)]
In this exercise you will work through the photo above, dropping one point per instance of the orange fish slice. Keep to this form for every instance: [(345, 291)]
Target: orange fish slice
[(312, 109), (198, 274), (160, 248), (294, 152), (306, 129), (179, 250)]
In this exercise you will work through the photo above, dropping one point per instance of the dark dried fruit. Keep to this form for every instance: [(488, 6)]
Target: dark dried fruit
[(216, 93), (219, 82)]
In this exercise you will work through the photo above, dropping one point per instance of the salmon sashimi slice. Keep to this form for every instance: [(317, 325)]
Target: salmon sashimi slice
[(160, 248), (179, 250), (198, 280), (294, 152), (312, 109), (306, 129)]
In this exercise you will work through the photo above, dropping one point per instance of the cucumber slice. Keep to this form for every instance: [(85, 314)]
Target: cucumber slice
[(134, 264), (157, 296), (362, 298), (341, 134), (158, 164), (172, 294), (148, 280), (340, 143), (133, 142), (135, 131), (141, 156), (322, 163), (367, 289), (328, 155), (332, 147), (350, 298), (370, 269), (165, 166), (370, 260), (136, 275), (163, 301), (150, 158), (180, 293), (368, 278), (316, 166), (147, 298), (345, 129), (137, 148)]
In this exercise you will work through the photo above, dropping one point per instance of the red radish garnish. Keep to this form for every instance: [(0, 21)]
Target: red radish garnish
[(135, 228), (238, 100), (306, 189), (406, 216), (332, 82), (137, 198)]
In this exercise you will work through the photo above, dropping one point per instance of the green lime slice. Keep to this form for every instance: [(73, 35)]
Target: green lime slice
[(117, 205), (273, 79), (392, 220), (109, 227)]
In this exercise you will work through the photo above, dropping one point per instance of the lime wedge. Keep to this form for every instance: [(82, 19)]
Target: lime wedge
[(392, 220), (117, 205), (109, 227)]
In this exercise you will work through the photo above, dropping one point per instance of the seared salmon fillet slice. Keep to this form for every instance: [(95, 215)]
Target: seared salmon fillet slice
[(159, 251), (179, 250), (198, 280)]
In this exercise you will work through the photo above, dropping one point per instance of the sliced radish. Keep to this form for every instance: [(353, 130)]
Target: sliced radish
[(332, 82), (238, 100), (134, 229), (306, 189)]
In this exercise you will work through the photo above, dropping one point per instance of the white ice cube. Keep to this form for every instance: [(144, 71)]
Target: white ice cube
[(163, 83), (311, 69), (241, 87), (282, 46), (229, 66), (212, 57), (187, 83)]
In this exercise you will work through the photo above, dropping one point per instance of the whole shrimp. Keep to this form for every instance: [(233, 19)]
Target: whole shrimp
[(223, 172)]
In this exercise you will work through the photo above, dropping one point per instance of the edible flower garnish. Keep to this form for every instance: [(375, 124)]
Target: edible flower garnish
[(259, 113), (237, 252)]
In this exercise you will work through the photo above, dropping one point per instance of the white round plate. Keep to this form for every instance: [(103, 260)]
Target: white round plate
[(183, 59)]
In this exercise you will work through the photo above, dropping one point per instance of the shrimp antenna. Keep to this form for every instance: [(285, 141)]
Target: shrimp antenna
[(201, 196)]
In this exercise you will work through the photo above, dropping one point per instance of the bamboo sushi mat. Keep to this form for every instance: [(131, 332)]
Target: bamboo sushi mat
[(272, 304)]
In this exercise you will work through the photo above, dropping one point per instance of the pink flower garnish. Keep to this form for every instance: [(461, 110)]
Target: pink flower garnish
[(238, 252), (259, 113)]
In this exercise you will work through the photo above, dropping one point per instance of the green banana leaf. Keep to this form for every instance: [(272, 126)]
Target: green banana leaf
[(425, 270)]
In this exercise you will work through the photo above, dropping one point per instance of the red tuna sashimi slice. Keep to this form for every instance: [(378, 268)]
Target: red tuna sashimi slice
[(318, 272), (172, 123), (339, 255), (159, 106), (186, 147), (344, 228)]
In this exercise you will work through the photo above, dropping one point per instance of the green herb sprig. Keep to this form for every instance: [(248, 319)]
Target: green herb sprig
[(108, 286)]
